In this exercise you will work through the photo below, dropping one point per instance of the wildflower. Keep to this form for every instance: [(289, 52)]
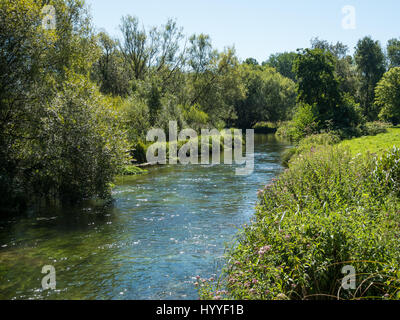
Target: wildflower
[(255, 281), (263, 250), (282, 296), (217, 298), (252, 291)]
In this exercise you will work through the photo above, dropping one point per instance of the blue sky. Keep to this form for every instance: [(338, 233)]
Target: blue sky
[(258, 28)]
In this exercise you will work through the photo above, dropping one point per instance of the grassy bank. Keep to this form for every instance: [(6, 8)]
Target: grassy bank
[(332, 208), (374, 144)]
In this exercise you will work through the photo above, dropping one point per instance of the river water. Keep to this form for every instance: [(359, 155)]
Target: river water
[(163, 229)]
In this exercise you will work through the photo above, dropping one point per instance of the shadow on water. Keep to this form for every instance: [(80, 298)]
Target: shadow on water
[(164, 228)]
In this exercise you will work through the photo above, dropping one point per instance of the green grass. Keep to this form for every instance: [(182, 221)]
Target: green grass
[(374, 144)]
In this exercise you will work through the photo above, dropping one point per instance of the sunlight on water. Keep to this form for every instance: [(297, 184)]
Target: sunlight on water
[(164, 228)]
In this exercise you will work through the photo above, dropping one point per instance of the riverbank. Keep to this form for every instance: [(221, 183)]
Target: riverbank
[(333, 207), (163, 228)]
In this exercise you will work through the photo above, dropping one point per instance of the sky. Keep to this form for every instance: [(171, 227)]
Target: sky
[(259, 28)]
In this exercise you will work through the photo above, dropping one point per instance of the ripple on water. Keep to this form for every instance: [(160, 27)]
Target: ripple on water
[(166, 227)]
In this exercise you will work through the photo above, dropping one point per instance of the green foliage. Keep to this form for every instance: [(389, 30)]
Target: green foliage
[(371, 66), (283, 63), (387, 94), (109, 71), (387, 171), (318, 85), (265, 90), (393, 52), (59, 138), (265, 127), (131, 171), (375, 127), (310, 143), (305, 122), (194, 117), (326, 211), (80, 146)]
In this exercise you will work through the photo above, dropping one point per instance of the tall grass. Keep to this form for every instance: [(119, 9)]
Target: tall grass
[(330, 209)]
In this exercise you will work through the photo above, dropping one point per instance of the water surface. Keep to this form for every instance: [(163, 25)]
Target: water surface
[(164, 228)]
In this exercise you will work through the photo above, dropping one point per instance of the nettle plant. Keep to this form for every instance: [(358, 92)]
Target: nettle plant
[(327, 211)]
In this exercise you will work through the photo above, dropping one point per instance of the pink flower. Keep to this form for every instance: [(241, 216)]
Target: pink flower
[(263, 250)]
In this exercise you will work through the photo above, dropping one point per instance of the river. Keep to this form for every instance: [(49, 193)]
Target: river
[(164, 229)]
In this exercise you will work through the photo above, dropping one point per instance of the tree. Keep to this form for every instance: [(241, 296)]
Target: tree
[(283, 63), (370, 62), (338, 50), (218, 87), (251, 61), (317, 83), (393, 52), (37, 66), (109, 71), (269, 96), (344, 64), (387, 96)]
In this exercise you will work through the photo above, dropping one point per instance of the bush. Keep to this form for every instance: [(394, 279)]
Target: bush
[(80, 147), (325, 212), (265, 127), (304, 123), (376, 127), (131, 171)]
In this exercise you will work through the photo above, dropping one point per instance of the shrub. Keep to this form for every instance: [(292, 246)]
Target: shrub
[(131, 171), (265, 127), (376, 127), (304, 122)]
